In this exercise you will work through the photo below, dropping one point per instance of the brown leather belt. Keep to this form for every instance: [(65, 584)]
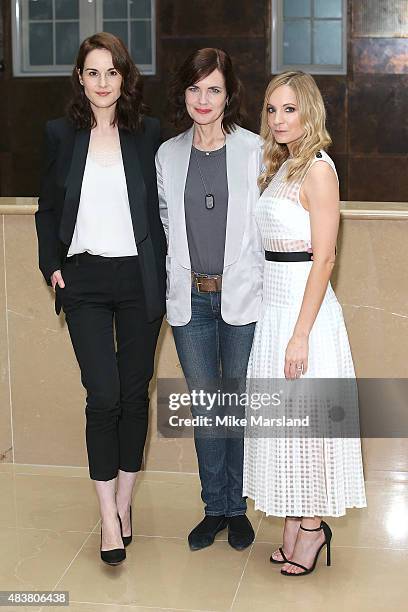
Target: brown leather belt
[(204, 283)]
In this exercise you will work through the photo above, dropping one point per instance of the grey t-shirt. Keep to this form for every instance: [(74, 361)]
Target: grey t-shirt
[(206, 227)]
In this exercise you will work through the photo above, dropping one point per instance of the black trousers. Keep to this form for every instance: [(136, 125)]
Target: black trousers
[(114, 344)]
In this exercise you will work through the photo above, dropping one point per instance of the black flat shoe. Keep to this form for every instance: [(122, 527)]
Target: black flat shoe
[(127, 539), (204, 533), (327, 539), (114, 556), (240, 532)]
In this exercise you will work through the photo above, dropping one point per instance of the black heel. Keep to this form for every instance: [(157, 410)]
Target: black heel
[(114, 556), (327, 537), (127, 539)]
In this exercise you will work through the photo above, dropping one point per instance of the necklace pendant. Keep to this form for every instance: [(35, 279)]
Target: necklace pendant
[(209, 201)]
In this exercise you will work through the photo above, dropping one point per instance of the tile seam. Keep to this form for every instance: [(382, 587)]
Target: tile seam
[(132, 605), (245, 566), (345, 546), (82, 467), (73, 559)]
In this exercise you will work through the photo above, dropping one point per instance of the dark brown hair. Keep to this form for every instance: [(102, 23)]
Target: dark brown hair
[(196, 67), (129, 108)]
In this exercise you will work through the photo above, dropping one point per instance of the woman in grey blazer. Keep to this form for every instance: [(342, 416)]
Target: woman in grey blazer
[(207, 180)]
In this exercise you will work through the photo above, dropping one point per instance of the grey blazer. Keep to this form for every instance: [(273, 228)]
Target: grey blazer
[(244, 256)]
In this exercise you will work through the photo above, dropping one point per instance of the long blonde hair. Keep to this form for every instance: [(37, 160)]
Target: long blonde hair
[(313, 119)]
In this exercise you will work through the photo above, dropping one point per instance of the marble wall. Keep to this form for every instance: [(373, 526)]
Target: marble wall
[(41, 398), (6, 437), (371, 283)]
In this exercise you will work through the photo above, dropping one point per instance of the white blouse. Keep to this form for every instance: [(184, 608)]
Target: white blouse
[(104, 224)]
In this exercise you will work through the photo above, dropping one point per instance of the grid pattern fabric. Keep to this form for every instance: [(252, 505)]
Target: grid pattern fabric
[(288, 476)]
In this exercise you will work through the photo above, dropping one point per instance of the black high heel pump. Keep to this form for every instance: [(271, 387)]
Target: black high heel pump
[(127, 539), (327, 536), (116, 555)]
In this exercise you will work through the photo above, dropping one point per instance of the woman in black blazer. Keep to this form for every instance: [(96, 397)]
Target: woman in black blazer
[(102, 248)]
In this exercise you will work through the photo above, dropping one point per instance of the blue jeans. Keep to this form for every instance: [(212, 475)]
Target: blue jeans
[(214, 355)]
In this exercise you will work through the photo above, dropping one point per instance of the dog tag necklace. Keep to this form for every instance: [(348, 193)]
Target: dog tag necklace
[(209, 197)]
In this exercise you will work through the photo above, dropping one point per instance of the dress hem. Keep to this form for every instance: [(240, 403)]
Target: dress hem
[(284, 515)]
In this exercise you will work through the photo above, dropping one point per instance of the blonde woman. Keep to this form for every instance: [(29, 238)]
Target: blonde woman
[(301, 331)]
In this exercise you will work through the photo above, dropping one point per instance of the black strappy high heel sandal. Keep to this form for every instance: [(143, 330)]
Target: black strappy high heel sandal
[(127, 539), (285, 560), (328, 536)]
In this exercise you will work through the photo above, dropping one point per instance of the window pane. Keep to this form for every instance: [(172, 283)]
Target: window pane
[(66, 10), (140, 9), (141, 45), (67, 42), (115, 9), (328, 8), (296, 42), (41, 44), (118, 28), (40, 9), (296, 8), (327, 42)]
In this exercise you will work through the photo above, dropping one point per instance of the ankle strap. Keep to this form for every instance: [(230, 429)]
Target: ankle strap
[(317, 528)]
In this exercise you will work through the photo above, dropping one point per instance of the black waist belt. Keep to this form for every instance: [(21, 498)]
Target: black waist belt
[(293, 256)]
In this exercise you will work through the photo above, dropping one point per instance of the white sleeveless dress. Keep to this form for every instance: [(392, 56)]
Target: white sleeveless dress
[(288, 476)]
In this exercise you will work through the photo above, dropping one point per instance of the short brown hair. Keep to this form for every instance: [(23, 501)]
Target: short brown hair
[(129, 108), (196, 67)]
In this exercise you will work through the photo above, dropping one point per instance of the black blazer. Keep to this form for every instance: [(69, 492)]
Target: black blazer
[(65, 157)]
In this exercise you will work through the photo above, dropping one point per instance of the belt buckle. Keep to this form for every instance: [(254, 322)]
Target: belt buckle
[(198, 282)]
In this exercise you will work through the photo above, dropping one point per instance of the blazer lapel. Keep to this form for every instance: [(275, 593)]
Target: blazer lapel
[(178, 177), (74, 184), (136, 187), (237, 176)]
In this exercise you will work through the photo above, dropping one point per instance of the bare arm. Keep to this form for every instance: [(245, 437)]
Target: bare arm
[(320, 196)]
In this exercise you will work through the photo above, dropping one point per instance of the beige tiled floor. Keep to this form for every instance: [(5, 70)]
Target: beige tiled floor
[(49, 539)]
